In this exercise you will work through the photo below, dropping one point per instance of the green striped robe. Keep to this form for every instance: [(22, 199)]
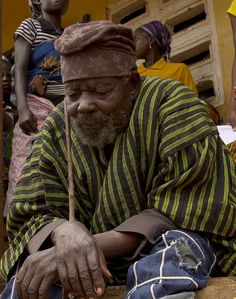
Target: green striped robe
[(169, 158)]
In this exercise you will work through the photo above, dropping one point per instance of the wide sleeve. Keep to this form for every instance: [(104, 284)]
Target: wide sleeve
[(150, 224), (32, 207)]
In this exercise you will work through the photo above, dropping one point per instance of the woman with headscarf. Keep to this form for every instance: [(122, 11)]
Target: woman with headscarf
[(38, 83), (153, 41)]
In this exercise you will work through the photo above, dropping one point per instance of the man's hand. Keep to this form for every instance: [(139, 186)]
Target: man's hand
[(80, 262), (37, 275)]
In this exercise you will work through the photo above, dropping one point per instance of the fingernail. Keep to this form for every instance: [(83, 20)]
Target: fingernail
[(99, 291)]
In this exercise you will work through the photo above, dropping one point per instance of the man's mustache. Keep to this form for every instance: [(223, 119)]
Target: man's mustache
[(91, 121)]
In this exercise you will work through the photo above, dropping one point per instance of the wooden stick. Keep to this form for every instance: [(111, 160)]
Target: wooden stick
[(71, 191)]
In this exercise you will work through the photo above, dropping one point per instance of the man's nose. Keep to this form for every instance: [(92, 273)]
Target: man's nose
[(86, 103)]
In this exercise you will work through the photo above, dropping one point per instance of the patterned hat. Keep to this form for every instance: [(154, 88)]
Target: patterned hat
[(96, 49)]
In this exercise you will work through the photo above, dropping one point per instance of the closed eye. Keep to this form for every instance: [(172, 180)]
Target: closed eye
[(102, 91), (73, 96)]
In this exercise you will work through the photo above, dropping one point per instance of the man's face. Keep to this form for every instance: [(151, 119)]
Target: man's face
[(142, 43), (100, 108)]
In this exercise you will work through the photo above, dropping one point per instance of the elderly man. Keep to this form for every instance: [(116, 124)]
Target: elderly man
[(154, 185)]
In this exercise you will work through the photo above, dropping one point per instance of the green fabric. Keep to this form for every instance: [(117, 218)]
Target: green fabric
[(170, 158)]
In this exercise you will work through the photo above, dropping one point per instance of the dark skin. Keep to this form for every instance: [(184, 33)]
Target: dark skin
[(7, 122), (231, 115), (6, 79), (6, 86), (146, 47), (78, 258), (52, 11)]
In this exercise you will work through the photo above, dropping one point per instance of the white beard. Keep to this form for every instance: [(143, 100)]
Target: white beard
[(105, 134)]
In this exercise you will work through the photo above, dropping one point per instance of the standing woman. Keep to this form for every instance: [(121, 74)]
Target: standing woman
[(38, 84), (153, 45)]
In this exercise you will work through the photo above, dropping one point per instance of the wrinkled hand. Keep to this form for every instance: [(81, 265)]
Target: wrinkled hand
[(231, 118), (81, 264), (27, 121), (37, 275)]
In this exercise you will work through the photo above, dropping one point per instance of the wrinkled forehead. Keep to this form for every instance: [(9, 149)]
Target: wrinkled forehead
[(92, 83)]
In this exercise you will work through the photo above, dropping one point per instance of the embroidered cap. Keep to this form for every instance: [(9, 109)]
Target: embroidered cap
[(96, 49)]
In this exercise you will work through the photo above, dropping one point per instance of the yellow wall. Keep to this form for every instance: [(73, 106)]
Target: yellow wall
[(14, 11), (225, 43)]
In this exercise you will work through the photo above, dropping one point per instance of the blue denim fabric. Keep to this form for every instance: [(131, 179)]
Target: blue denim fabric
[(9, 291), (180, 261), (184, 295)]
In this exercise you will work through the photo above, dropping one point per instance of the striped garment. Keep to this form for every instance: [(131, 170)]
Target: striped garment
[(170, 157), (35, 32), (31, 30), (232, 149)]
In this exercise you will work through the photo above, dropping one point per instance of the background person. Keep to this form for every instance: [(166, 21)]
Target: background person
[(153, 44), (35, 61)]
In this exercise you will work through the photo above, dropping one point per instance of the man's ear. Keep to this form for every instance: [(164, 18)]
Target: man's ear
[(135, 83)]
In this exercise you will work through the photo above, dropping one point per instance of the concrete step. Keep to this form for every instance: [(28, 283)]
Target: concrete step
[(218, 288)]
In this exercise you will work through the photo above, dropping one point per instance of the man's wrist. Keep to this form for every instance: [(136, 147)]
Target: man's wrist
[(117, 244), (42, 235), (54, 234)]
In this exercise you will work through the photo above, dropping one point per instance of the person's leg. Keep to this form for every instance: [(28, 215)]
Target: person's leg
[(180, 261)]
